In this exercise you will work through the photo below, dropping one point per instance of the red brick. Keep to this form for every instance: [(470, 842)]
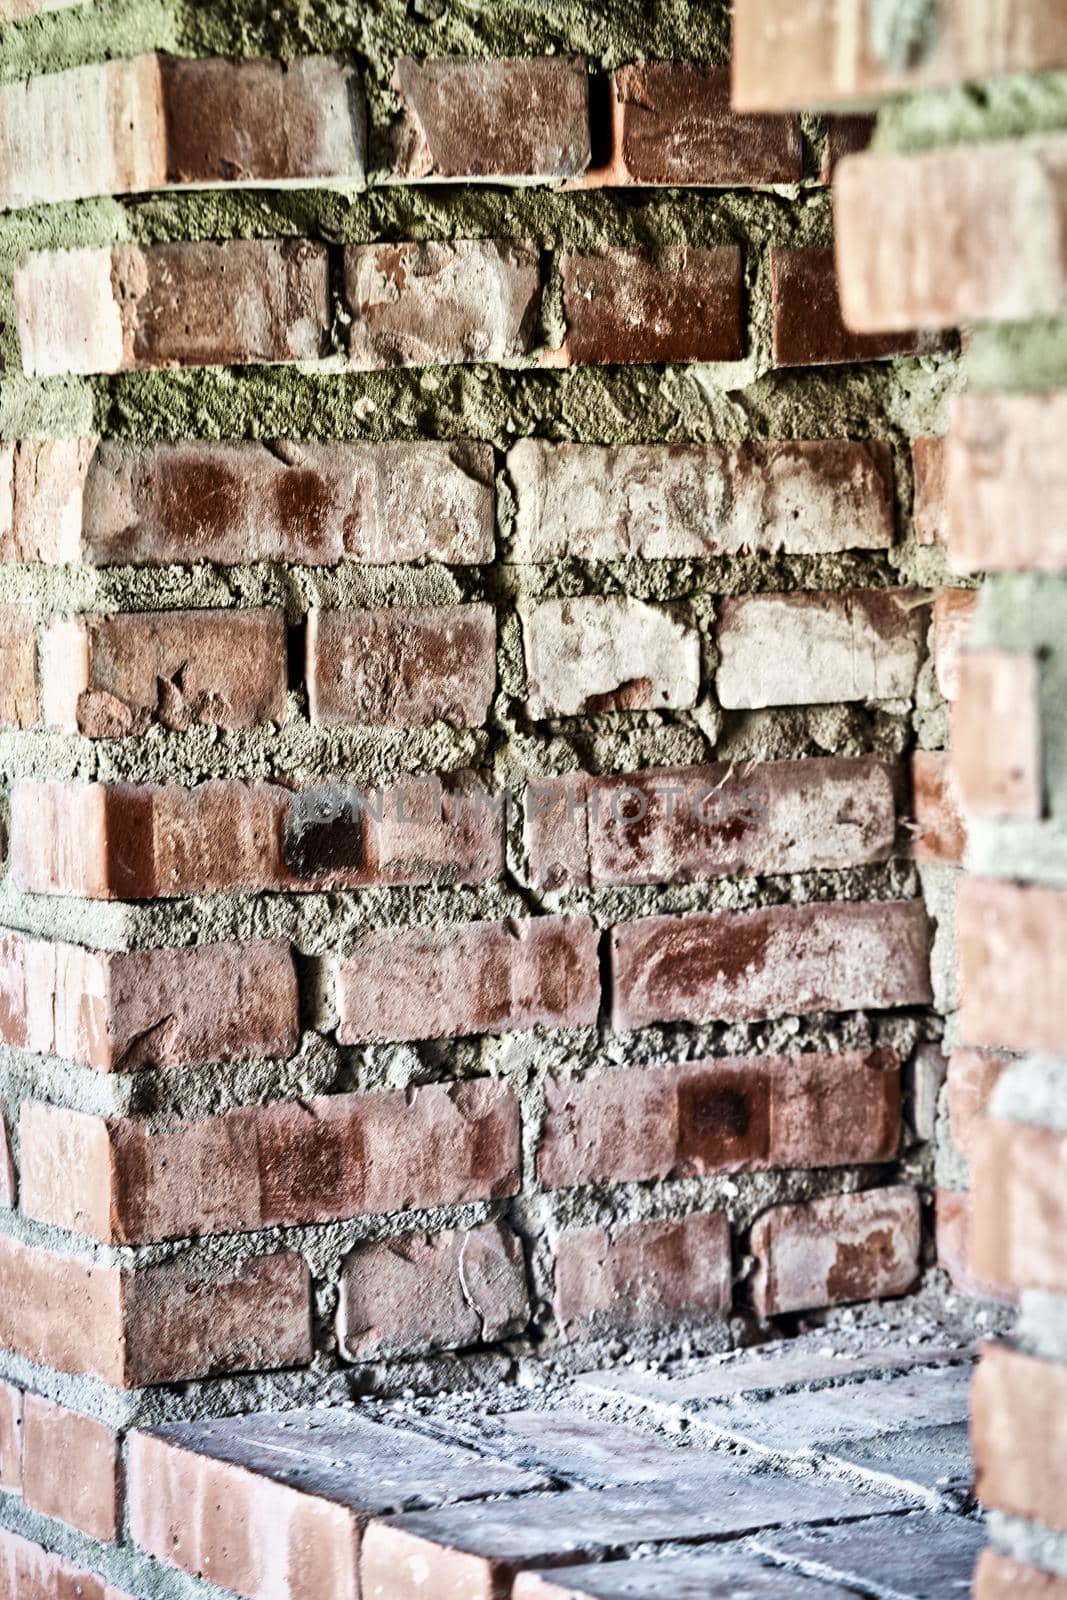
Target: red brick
[(972, 1077), (805, 648), (159, 121), (996, 734), (424, 1292), (739, 1114), (18, 667), (808, 329), (835, 1250), (406, 666), (157, 1324), (693, 501), (825, 53), (955, 1248), (113, 676), (1018, 1412), (29, 1572), (124, 1010), (930, 508), (1013, 965), (41, 486), (268, 1506), (10, 1439), (783, 961), (317, 504), (465, 117), (681, 303), (485, 977), (674, 124), (1006, 485), (941, 832), (845, 136), (926, 240), (601, 653), (425, 304), (998, 1577), (1019, 1178), (133, 307), (119, 841), (291, 1162), (70, 1468), (954, 611), (643, 1275)]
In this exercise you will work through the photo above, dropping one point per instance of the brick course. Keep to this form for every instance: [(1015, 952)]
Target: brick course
[(642, 1275), (831, 1251)]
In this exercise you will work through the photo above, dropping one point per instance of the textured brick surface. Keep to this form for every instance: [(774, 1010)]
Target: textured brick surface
[(424, 1292), (10, 1438), (1006, 487), (643, 1275), (808, 328), (692, 501), (941, 1553), (1013, 965), (783, 961), (808, 648), (954, 611), (955, 1247), (941, 833), (998, 1577), (70, 1468), (18, 667), (1019, 1176), (129, 308), (110, 677), (317, 1160), (32, 1573), (600, 653), (462, 117), (683, 303), (972, 1077), (1017, 1423), (488, 977), (423, 304), (996, 734), (738, 1114), (930, 509), (704, 1575), (402, 667), (41, 486), (831, 1251), (303, 502)]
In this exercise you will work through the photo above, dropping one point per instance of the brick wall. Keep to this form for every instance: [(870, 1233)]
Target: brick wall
[(954, 217), (478, 849)]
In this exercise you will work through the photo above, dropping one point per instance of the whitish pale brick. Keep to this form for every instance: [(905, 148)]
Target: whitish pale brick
[(401, 666), (603, 654), (1006, 483), (996, 734), (1013, 965), (42, 482), (954, 611)]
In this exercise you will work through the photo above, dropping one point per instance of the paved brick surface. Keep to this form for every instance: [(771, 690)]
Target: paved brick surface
[(939, 1560)]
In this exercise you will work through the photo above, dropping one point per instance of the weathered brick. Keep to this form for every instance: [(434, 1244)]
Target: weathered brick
[(676, 824), (699, 1575), (70, 1468), (41, 486), (681, 303), (694, 501), (262, 1505), (782, 961), (1017, 1421), (955, 1248), (424, 1292), (1013, 965), (1020, 1204), (1006, 487), (845, 136), (10, 1438), (485, 977), (826, 52), (972, 1077), (118, 841), (808, 328), (802, 648), (598, 653), (866, 1557), (831, 1251), (119, 1011), (158, 121), (287, 1163), (998, 1577), (930, 510), (674, 124), (923, 239), (29, 1572), (643, 1275), (317, 504), (954, 611), (404, 666), (18, 667), (739, 1114), (996, 734), (425, 304), (112, 676), (465, 117), (923, 1090), (133, 307), (155, 1324), (940, 830)]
